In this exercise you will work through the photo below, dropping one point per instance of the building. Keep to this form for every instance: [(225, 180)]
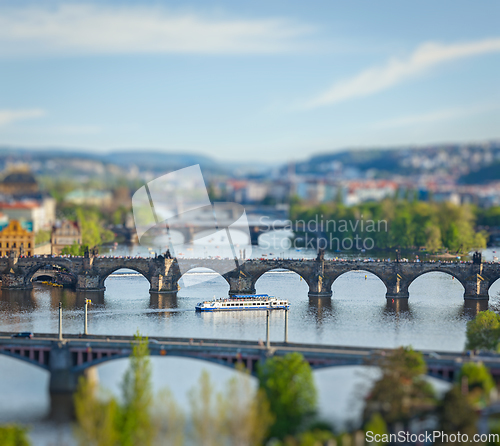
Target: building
[(15, 237), (19, 182), (65, 233), (21, 199), (34, 215)]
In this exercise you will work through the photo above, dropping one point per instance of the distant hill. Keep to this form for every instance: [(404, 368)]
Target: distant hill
[(472, 162), (144, 159), (157, 160), (483, 175)]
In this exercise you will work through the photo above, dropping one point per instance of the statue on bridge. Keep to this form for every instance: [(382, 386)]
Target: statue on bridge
[(321, 255), (477, 258)]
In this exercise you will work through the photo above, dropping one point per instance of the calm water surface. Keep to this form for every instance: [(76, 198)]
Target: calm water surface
[(357, 315)]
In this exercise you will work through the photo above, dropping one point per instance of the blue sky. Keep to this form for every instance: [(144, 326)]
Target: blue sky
[(248, 80)]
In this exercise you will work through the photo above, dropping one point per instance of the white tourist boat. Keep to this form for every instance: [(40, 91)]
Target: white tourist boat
[(241, 302)]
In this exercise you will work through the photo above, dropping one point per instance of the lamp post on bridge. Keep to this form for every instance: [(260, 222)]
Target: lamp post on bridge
[(85, 324), (268, 340), (60, 321), (286, 325)]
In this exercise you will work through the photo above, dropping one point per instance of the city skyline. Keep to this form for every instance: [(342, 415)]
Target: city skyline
[(272, 81)]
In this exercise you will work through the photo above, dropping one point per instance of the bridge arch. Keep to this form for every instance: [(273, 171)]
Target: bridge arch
[(409, 281), (62, 263), (103, 276), (201, 270), (232, 361), (300, 275), (279, 267), (494, 286), (34, 357), (362, 270), (226, 361)]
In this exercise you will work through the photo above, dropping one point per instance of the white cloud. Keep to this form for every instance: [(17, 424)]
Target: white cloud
[(437, 115), (9, 116), (395, 71), (97, 29)]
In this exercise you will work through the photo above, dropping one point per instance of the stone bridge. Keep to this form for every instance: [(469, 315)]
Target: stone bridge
[(90, 272)]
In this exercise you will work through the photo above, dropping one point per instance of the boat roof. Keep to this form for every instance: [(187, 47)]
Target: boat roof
[(249, 296)]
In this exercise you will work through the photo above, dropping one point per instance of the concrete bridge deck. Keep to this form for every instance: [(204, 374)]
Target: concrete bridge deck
[(89, 273)]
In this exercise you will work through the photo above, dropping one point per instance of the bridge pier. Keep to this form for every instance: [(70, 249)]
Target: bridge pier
[(89, 282), (476, 288), (319, 291), (14, 280), (240, 283), (64, 383), (395, 288), (164, 275), (160, 284), (319, 284)]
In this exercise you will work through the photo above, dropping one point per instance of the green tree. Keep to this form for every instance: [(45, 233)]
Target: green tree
[(401, 393), (483, 332), (237, 416), (96, 419), (75, 249), (479, 383), (245, 413), (206, 425), (42, 236), (376, 425), (169, 419), (456, 414), (411, 223), (14, 435), (433, 241), (288, 383), (315, 437), (136, 426)]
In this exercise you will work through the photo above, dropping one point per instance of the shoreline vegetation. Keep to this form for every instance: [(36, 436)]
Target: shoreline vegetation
[(442, 228)]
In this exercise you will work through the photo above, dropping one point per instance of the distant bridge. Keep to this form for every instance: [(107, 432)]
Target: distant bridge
[(68, 359), (259, 220), (89, 273)]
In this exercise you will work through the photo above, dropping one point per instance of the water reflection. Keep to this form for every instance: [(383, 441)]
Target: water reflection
[(472, 307), (397, 307), (16, 301), (97, 298), (160, 302), (163, 301), (321, 308)]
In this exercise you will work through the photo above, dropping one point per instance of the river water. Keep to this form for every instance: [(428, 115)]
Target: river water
[(356, 315)]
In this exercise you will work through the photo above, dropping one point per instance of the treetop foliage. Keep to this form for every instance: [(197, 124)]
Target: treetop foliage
[(288, 383), (432, 225), (483, 332)]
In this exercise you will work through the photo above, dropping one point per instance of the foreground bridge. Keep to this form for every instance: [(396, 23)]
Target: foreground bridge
[(90, 272), (74, 356)]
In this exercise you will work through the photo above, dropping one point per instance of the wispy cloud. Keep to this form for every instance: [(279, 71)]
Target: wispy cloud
[(435, 116), (99, 29), (9, 116), (395, 71)]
